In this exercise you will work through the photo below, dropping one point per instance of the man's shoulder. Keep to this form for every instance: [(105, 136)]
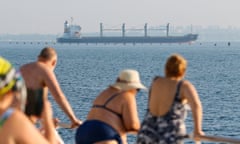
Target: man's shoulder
[(35, 66)]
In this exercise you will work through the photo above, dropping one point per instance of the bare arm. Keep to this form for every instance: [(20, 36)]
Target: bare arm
[(53, 85), (191, 95), (49, 129), (130, 114)]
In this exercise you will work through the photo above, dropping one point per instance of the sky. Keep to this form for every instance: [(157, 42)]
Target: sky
[(48, 16)]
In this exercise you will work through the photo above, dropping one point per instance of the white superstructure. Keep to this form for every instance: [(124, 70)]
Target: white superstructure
[(71, 31)]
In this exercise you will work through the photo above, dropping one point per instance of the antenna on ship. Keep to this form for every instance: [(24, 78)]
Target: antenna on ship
[(145, 30), (191, 28), (71, 20), (101, 30), (123, 30), (167, 29)]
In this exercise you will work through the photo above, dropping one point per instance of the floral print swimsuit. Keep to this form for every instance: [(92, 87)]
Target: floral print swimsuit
[(167, 129)]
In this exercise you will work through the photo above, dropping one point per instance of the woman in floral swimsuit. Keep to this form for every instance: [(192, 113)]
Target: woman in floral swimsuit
[(168, 96)]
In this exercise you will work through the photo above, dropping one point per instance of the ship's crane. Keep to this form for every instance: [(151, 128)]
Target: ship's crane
[(123, 29)]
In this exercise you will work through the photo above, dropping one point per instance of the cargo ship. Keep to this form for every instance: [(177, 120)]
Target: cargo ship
[(72, 34)]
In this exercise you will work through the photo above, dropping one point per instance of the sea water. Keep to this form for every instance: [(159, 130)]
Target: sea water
[(85, 70)]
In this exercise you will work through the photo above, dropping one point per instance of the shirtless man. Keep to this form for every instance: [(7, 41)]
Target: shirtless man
[(39, 76)]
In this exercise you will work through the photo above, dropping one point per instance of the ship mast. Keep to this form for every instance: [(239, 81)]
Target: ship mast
[(167, 29), (145, 30), (71, 20), (123, 30), (101, 30)]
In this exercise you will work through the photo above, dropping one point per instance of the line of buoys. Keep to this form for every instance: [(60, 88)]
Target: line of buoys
[(229, 43), (53, 42), (215, 44), (31, 42)]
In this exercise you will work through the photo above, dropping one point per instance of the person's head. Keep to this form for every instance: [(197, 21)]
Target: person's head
[(175, 66), (48, 54), (128, 79), (11, 82)]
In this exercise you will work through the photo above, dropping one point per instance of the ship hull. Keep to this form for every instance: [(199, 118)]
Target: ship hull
[(133, 39)]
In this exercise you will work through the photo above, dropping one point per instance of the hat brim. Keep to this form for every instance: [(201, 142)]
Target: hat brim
[(128, 86)]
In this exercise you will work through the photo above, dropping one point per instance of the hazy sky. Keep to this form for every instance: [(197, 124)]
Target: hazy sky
[(48, 16)]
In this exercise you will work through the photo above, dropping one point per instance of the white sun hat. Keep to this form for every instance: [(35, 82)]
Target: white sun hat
[(128, 79)]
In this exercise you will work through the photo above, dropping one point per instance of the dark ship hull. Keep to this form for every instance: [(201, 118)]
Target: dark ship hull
[(131, 39)]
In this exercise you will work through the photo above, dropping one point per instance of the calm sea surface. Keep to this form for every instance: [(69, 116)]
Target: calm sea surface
[(84, 70)]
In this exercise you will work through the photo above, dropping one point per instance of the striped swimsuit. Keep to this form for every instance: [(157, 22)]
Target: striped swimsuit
[(166, 129)]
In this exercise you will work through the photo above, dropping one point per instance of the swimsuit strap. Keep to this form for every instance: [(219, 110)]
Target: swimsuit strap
[(104, 106), (111, 98), (178, 90), (5, 116)]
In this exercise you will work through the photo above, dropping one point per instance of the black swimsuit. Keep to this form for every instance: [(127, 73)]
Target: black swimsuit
[(34, 105), (104, 106)]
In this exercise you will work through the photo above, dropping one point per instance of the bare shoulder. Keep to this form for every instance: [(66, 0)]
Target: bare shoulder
[(157, 79), (26, 126), (44, 70), (14, 120), (21, 118), (128, 97), (26, 67), (33, 66), (188, 89), (187, 84), (126, 94)]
